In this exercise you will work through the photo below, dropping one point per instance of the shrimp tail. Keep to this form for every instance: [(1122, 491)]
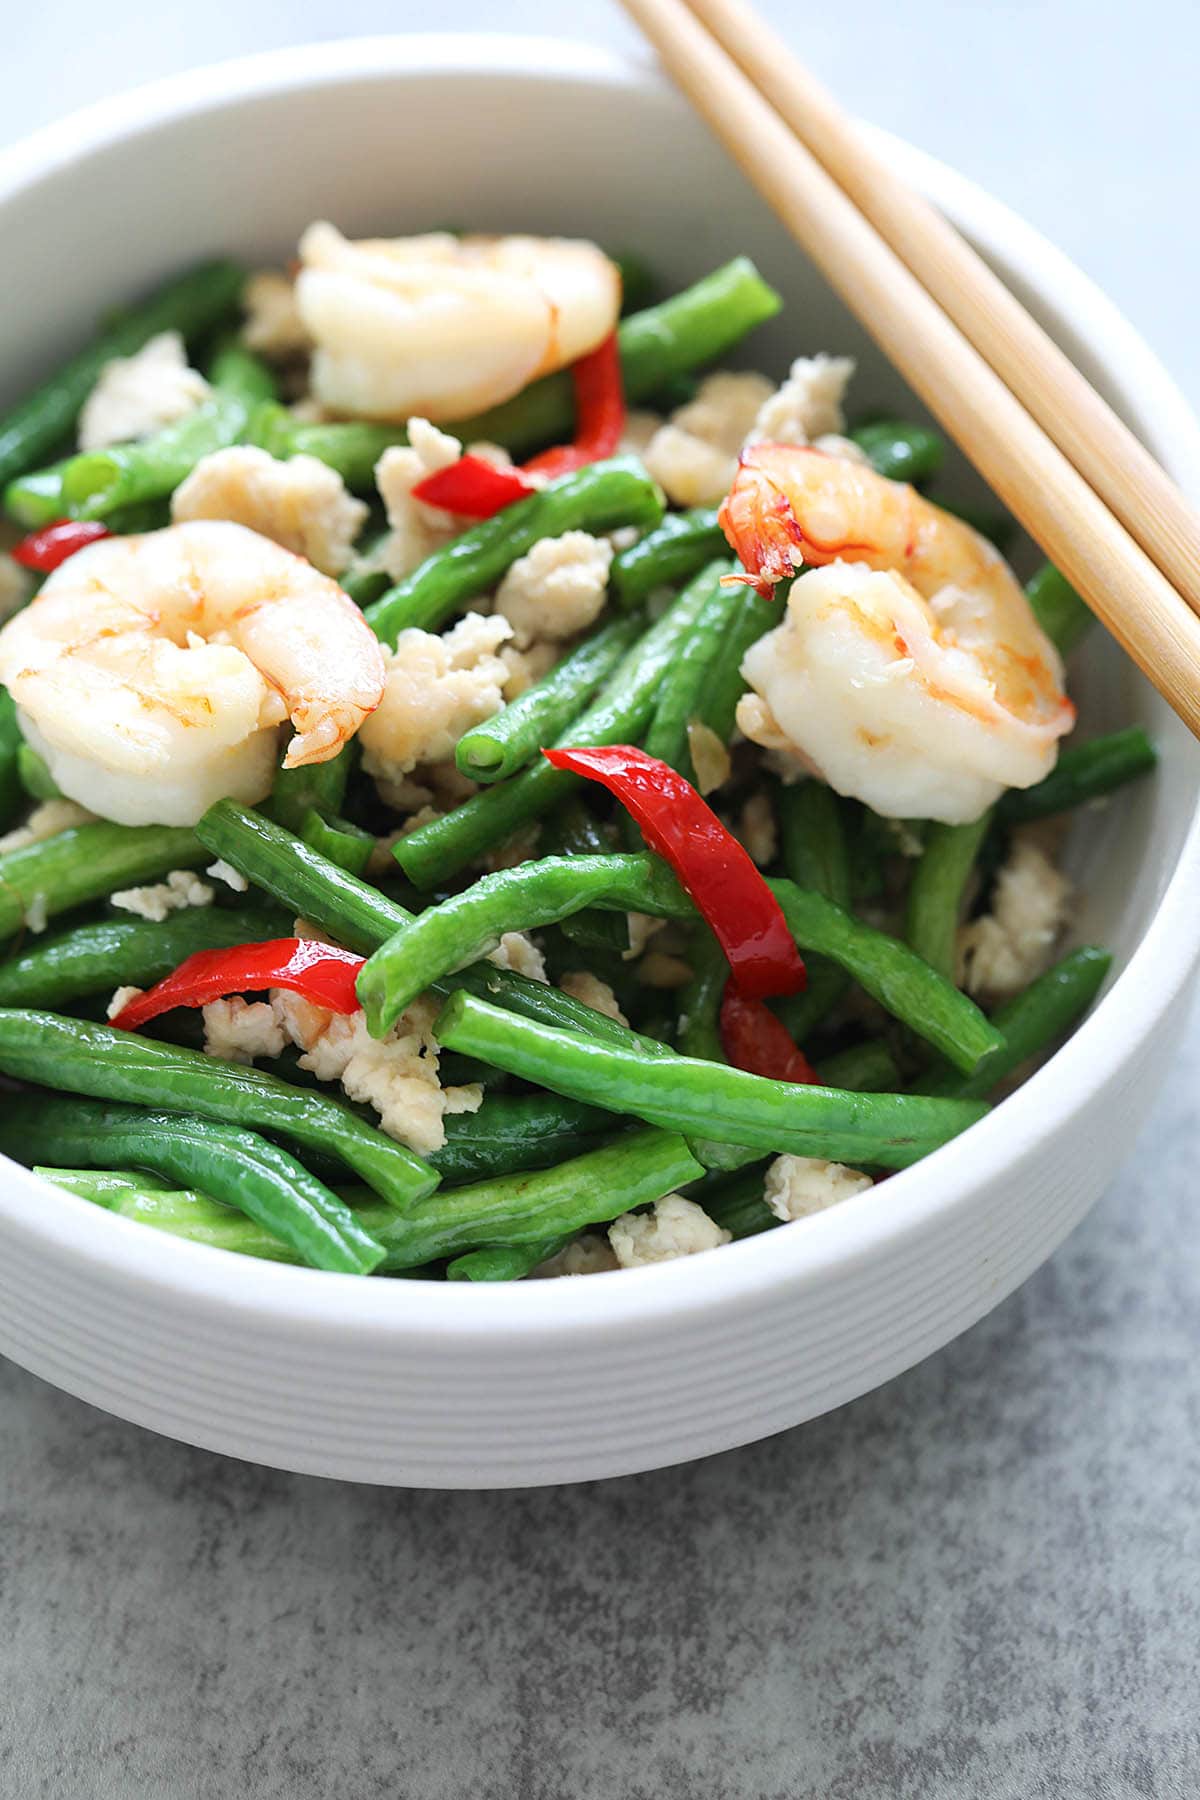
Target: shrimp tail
[(763, 531)]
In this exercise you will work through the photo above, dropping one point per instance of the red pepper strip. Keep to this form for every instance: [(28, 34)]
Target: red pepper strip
[(755, 1040), (599, 412), (48, 548), (323, 973), (711, 864), (474, 487)]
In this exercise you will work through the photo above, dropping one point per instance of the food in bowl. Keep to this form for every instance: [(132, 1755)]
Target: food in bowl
[(608, 897)]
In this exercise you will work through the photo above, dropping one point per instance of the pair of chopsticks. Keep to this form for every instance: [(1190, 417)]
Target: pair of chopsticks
[(1077, 479)]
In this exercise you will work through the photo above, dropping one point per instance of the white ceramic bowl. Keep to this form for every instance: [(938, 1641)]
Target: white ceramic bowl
[(428, 1385)]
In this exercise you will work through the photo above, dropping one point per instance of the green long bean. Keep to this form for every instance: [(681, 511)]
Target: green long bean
[(891, 973), (680, 334), (545, 1203), (680, 1094), (111, 953), (736, 1204), (238, 1167), (362, 918), (667, 556), (597, 498), (449, 936), (35, 776), (97, 483), (726, 685), (680, 698), (815, 855), (1030, 1023), (901, 449), (86, 863), (867, 1068), (815, 852), (513, 737), (935, 894), (620, 713), (516, 1131), (182, 1212), (466, 926), (502, 1262), (1083, 772), (107, 1064), (1062, 615), (12, 793), (191, 303), (699, 1033)]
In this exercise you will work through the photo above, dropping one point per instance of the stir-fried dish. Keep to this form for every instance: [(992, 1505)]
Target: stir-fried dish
[(491, 792)]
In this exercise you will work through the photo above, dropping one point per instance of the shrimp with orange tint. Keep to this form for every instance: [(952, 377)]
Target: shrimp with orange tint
[(442, 326), (910, 672), (153, 673)]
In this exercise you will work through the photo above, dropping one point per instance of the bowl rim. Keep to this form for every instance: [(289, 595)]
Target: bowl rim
[(857, 1231)]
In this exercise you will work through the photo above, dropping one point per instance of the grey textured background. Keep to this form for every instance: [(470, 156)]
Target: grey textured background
[(981, 1581)]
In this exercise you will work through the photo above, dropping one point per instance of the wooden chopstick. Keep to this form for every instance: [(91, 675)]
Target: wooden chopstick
[(1101, 446), (1010, 449)]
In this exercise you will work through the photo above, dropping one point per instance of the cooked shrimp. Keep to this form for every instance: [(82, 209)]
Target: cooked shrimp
[(443, 326), (153, 672), (911, 672)]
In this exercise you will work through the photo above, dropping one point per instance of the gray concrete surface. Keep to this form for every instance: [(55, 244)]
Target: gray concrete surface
[(980, 1583)]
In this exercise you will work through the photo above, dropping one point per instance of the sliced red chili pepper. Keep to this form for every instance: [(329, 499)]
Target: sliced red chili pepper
[(676, 823), (755, 1040), (323, 973), (599, 412), (50, 547), (474, 487)]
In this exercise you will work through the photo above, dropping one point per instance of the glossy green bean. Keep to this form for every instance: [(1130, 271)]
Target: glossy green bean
[(102, 484), (86, 863), (182, 1212), (699, 1032), (448, 936), (545, 1203), (901, 449), (238, 1167), (467, 926), (816, 855), (815, 852), (681, 1094), (737, 1204), (502, 1262), (868, 1068), (191, 303), (935, 894), (362, 918), (514, 736), (107, 1064), (1063, 616), (620, 713), (35, 776), (827, 986), (680, 334), (667, 556), (1083, 772), (685, 682), (725, 687), (1030, 1023), (12, 792), (903, 983), (516, 1131), (596, 498), (116, 952)]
